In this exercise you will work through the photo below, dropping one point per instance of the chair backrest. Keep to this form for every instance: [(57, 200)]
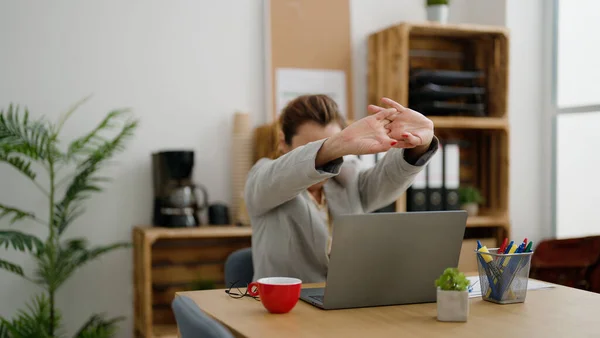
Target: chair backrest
[(192, 322), (239, 268)]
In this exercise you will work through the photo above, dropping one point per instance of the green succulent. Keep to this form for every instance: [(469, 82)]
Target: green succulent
[(437, 2), (452, 280)]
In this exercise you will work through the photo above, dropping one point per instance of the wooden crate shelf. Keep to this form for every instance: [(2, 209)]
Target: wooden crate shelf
[(169, 260), (395, 51), (398, 50)]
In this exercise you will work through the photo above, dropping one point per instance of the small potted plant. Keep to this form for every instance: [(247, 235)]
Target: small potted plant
[(452, 296), (437, 10), (469, 199)]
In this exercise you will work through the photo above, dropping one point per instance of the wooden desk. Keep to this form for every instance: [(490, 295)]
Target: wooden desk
[(557, 312)]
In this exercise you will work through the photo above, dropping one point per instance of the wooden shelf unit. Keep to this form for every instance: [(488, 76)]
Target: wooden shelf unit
[(169, 260), (483, 140)]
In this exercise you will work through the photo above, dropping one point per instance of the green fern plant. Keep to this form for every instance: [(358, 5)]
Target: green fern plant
[(23, 142)]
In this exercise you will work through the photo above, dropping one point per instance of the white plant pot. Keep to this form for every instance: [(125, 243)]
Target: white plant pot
[(452, 306), (471, 208), (438, 13)]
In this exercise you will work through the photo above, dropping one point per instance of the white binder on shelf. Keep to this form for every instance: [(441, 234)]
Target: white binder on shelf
[(452, 176), (435, 181)]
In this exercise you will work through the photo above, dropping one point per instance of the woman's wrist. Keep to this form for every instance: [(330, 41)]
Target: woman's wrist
[(332, 149), (412, 155)]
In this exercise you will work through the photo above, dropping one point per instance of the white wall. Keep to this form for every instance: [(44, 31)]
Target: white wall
[(484, 12), (184, 67), (529, 178)]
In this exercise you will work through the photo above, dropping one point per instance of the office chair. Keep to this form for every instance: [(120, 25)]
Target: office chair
[(193, 323), (239, 268)]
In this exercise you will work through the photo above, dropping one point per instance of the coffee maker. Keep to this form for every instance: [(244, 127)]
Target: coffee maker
[(176, 202)]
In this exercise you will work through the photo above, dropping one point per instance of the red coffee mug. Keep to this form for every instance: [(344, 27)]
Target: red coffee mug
[(277, 294)]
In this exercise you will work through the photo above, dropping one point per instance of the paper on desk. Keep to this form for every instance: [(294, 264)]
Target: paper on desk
[(531, 285), (293, 82)]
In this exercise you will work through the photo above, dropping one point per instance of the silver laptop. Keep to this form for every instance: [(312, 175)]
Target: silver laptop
[(389, 258)]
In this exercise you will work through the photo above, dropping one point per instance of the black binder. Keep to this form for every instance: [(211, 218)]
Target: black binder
[(416, 195)]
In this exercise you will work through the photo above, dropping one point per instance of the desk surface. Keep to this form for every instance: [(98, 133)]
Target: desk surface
[(556, 312)]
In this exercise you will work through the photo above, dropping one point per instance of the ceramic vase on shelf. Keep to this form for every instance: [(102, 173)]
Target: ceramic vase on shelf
[(438, 13), (471, 208), (452, 306)]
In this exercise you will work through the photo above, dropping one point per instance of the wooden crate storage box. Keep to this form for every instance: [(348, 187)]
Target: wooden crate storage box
[(169, 260), (393, 52)]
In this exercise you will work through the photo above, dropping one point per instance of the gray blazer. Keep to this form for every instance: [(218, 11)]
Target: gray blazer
[(289, 235)]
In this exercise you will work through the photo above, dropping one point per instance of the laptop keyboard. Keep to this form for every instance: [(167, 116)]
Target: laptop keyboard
[(319, 298)]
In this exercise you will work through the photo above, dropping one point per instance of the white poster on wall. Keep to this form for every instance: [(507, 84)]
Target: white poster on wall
[(293, 82)]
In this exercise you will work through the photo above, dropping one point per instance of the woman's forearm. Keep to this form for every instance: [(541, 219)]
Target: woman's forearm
[(271, 183), (332, 149)]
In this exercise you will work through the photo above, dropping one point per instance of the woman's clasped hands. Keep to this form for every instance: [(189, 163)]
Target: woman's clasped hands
[(393, 126), (409, 128)]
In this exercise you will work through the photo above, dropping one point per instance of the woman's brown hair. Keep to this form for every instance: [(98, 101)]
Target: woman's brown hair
[(320, 109)]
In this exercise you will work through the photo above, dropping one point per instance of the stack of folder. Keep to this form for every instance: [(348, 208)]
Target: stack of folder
[(446, 92)]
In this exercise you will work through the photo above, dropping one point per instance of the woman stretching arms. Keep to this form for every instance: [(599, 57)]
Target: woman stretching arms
[(293, 199)]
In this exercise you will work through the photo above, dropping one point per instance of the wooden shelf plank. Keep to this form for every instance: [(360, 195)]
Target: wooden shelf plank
[(454, 30), (463, 122), (493, 220), (165, 331), (220, 231)]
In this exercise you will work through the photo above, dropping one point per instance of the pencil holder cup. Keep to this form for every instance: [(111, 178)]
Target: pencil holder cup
[(503, 277)]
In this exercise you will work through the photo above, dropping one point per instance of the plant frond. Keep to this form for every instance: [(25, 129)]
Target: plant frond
[(64, 117), (23, 166), (65, 214), (52, 273), (98, 327), (3, 328), (45, 272), (71, 255), (87, 143), (86, 181), (12, 267), (20, 241), (32, 322), (20, 135), (99, 251), (17, 214)]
